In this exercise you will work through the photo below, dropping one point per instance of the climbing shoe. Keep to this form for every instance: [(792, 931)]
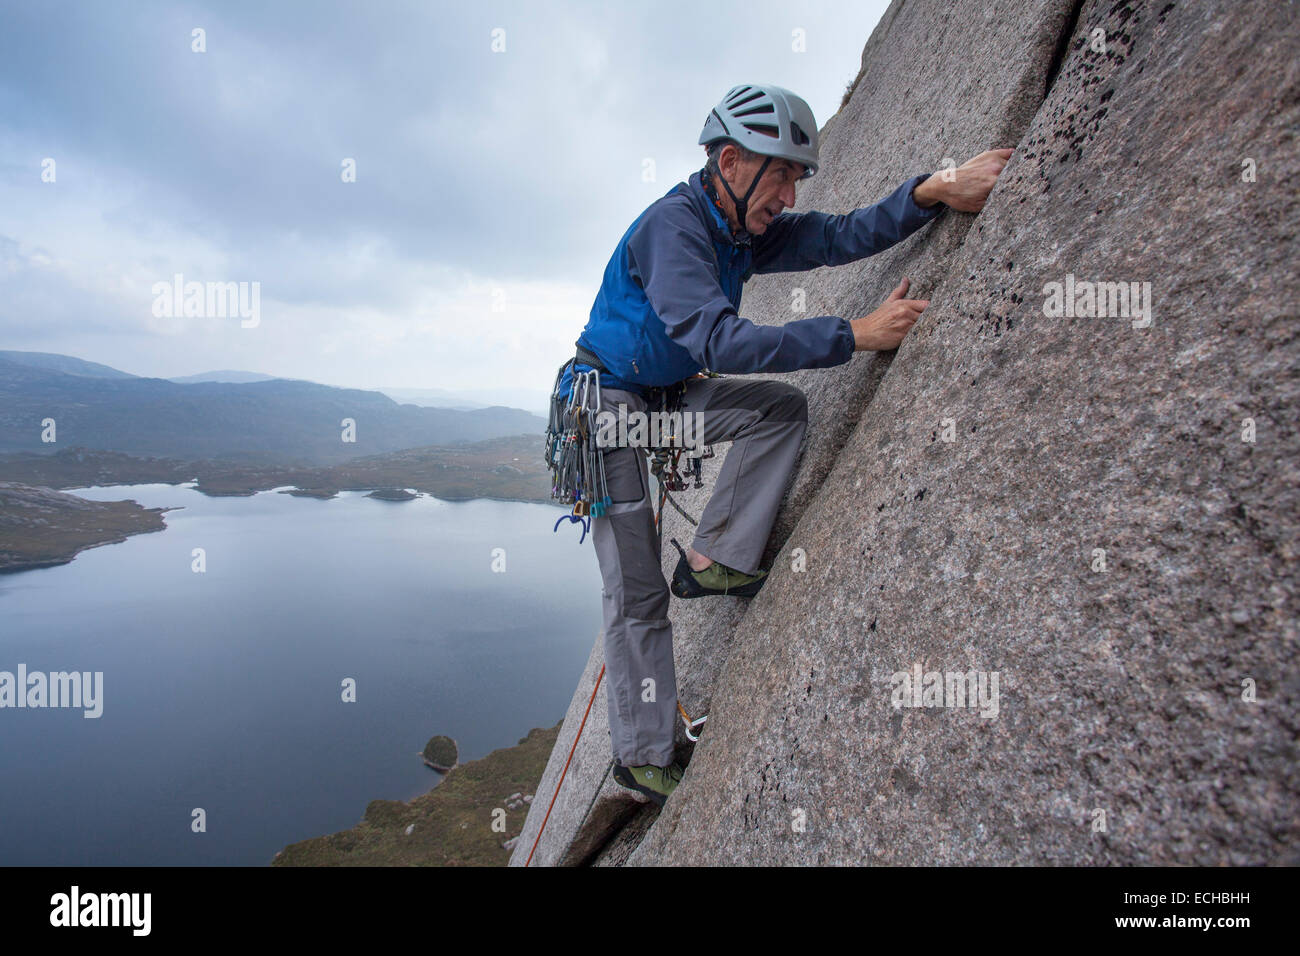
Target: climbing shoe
[(655, 782), (715, 579)]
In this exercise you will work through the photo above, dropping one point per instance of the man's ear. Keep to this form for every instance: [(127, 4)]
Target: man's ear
[(727, 161)]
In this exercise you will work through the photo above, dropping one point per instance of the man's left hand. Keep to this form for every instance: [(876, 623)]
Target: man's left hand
[(967, 187)]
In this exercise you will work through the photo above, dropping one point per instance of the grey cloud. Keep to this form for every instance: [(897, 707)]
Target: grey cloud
[(518, 166)]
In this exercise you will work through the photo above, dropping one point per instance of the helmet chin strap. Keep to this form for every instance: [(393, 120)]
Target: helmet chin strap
[(742, 205)]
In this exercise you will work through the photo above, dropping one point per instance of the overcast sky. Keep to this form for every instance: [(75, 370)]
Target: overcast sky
[(491, 187)]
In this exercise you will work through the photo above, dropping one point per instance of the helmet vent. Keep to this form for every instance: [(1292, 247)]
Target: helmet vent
[(798, 136), (765, 108), (765, 128), (738, 101)]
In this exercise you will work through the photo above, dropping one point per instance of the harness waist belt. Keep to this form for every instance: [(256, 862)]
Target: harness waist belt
[(589, 358), (654, 393)]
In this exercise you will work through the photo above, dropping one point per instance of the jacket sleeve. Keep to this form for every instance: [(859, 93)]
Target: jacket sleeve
[(670, 256), (793, 242)]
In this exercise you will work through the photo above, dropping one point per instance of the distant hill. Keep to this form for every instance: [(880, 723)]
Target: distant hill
[(277, 421), (430, 398), (63, 363), (230, 376), (533, 399), (536, 400)]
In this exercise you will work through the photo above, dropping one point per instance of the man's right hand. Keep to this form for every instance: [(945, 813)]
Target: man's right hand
[(885, 328)]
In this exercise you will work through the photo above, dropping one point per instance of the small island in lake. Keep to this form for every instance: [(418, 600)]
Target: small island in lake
[(441, 753), (392, 494), (322, 493)]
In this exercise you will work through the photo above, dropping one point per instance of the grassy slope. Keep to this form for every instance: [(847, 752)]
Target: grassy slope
[(453, 821), (40, 528)]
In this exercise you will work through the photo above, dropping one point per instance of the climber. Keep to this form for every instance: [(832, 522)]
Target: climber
[(666, 312)]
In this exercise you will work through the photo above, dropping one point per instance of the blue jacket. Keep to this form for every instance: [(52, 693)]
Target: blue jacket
[(667, 305)]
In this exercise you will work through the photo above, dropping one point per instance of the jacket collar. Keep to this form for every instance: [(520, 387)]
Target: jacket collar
[(708, 212)]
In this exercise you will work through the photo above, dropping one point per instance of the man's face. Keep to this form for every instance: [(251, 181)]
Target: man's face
[(775, 191)]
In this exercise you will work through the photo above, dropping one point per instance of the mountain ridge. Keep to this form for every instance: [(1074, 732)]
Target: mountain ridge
[(282, 421)]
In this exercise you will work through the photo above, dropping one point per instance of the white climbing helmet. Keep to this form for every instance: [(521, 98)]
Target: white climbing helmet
[(765, 119)]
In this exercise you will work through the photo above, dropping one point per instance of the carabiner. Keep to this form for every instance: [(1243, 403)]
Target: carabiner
[(584, 522), (691, 725)]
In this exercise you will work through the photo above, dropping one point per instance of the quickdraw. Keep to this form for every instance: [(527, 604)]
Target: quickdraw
[(577, 463), (665, 461)]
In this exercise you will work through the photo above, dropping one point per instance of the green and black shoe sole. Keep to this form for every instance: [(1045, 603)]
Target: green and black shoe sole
[(624, 777), (685, 585)]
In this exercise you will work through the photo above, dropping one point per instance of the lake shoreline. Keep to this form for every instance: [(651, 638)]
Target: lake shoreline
[(345, 626), (44, 528), (450, 825), (29, 542), (502, 469)]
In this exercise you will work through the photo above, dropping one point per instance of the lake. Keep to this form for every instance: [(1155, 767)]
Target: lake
[(222, 690)]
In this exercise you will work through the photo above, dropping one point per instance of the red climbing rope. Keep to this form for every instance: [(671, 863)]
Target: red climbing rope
[(542, 828)]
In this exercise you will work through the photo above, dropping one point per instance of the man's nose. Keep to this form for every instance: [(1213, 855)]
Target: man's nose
[(787, 195)]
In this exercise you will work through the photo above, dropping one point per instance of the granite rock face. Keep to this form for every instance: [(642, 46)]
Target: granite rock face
[(1085, 516)]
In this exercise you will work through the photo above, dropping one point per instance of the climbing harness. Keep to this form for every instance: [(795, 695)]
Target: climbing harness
[(577, 462)]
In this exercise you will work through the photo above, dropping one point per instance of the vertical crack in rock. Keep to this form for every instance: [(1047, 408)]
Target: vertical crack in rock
[(1062, 47)]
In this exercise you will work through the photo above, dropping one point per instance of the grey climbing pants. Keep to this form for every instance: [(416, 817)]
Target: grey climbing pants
[(766, 421)]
